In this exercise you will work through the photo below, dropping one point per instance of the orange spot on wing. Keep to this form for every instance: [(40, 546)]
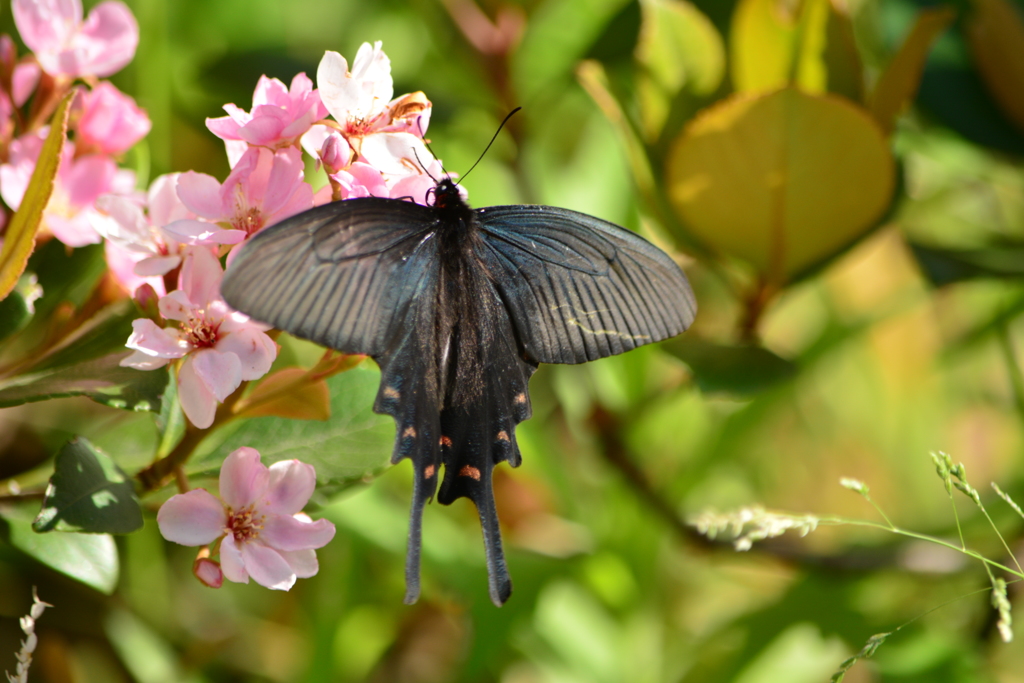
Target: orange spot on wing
[(445, 441), (470, 471), (520, 398), (428, 471), (409, 432), (391, 392), (503, 435)]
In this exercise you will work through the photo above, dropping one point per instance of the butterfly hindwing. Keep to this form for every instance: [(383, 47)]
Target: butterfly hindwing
[(578, 288), (479, 433)]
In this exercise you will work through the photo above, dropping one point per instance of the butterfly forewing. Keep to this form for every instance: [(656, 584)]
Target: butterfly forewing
[(578, 288), (341, 275)]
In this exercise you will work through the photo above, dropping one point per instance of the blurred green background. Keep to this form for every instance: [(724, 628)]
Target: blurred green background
[(879, 320)]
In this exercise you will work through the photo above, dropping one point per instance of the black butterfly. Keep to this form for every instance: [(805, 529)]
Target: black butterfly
[(458, 306)]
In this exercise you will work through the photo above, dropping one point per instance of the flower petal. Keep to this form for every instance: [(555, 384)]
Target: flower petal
[(200, 276), (290, 486), (220, 372), (267, 567), (289, 533), (156, 341), (255, 351), (156, 265), (195, 232), (193, 518), (231, 561), (105, 43), (200, 193), (142, 361), (197, 401), (243, 478), (302, 562)]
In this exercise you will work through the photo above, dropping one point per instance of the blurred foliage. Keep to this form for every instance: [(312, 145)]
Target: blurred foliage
[(843, 183)]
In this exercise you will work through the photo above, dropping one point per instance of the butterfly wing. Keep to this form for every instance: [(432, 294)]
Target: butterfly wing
[(578, 288), (342, 275), (360, 276)]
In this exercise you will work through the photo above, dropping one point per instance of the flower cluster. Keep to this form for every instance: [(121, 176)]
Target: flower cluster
[(167, 246), (373, 146), (104, 122), (367, 142)]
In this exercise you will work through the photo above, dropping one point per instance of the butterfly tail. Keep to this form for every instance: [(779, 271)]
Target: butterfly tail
[(411, 403)]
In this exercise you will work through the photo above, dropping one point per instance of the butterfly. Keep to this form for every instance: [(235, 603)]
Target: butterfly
[(458, 306)]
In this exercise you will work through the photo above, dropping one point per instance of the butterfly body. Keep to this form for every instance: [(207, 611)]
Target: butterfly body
[(458, 307)]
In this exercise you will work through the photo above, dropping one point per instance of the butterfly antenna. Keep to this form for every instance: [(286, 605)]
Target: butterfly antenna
[(420, 161), (510, 115)]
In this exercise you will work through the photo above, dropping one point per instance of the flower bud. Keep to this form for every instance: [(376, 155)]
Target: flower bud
[(335, 153), (207, 571)]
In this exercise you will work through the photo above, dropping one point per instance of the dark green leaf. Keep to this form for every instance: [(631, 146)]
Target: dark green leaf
[(87, 364), (946, 266), (617, 42), (741, 370), (89, 558), (17, 308), (102, 380), (88, 492), (353, 444)]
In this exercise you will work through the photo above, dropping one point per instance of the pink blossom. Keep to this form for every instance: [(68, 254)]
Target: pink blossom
[(263, 188), (279, 116), (386, 133), (110, 121), (137, 247), (70, 215), (64, 45), (220, 346), (263, 533)]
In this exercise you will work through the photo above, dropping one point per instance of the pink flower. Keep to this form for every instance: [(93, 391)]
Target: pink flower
[(279, 116), (137, 247), (386, 134), (263, 533), (263, 188), (70, 215), (130, 229), (110, 121), (65, 46), (221, 347)]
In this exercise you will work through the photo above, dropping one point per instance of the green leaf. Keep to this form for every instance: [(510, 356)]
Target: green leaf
[(946, 266), (19, 239), (354, 444), (17, 309), (898, 84), (102, 380), (88, 492), (83, 365), (89, 558), (741, 370)]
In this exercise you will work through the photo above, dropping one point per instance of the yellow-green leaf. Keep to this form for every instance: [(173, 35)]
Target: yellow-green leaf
[(775, 43), (842, 59), (679, 48), (996, 36), (783, 181), (21, 233), (898, 84), (289, 393)]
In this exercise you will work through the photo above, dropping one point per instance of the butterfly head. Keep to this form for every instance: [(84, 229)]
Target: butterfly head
[(445, 195)]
